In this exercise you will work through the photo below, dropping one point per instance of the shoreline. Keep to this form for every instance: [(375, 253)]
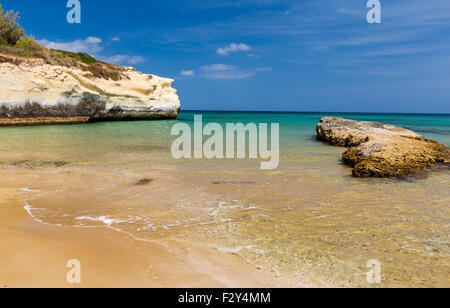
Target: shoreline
[(75, 120), (35, 255), (19, 122)]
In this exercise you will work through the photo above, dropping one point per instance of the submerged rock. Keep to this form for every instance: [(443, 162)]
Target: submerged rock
[(144, 182), (381, 150), (32, 88), (31, 164)]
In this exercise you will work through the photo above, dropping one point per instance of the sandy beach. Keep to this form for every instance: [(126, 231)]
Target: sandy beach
[(34, 254)]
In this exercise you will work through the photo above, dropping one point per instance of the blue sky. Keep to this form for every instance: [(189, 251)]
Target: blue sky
[(284, 55)]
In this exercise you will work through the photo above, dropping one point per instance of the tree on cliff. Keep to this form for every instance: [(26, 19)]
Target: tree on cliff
[(10, 30)]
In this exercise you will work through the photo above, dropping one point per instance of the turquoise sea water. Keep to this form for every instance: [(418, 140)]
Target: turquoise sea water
[(308, 220), (101, 140), (433, 126)]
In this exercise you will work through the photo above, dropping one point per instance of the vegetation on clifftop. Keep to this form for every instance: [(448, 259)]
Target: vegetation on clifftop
[(10, 30), (14, 42)]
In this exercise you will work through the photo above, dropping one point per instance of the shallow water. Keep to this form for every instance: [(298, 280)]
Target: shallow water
[(308, 220)]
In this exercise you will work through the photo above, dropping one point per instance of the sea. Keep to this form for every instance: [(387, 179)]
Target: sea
[(307, 220)]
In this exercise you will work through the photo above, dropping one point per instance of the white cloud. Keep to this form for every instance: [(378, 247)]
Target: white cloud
[(225, 51), (89, 45), (115, 39), (223, 71), (93, 40), (218, 67), (124, 59), (92, 45), (187, 73), (230, 75)]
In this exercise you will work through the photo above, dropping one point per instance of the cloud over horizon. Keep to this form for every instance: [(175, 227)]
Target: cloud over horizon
[(88, 45), (92, 45), (124, 59)]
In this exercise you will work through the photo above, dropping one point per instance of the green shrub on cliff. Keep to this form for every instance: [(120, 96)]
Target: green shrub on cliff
[(10, 30), (79, 56), (25, 42), (12, 37)]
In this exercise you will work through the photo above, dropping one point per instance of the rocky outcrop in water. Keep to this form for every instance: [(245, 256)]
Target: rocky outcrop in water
[(381, 150), (33, 92)]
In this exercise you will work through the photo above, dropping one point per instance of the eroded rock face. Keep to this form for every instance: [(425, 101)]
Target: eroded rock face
[(381, 150), (33, 89)]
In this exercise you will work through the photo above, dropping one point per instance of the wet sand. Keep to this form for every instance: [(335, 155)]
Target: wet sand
[(191, 230), (34, 254)]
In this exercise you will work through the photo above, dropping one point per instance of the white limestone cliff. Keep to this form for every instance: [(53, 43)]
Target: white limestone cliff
[(133, 96)]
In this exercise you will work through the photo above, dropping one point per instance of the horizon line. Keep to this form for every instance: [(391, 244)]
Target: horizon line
[(317, 112)]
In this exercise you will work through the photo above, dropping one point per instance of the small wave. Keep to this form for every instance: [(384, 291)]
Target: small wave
[(29, 210), (176, 224), (28, 207), (26, 189), (233, 250), (104, 219)]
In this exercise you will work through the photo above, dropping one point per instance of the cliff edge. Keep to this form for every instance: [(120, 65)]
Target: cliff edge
[(35, 92), (381, 150)]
